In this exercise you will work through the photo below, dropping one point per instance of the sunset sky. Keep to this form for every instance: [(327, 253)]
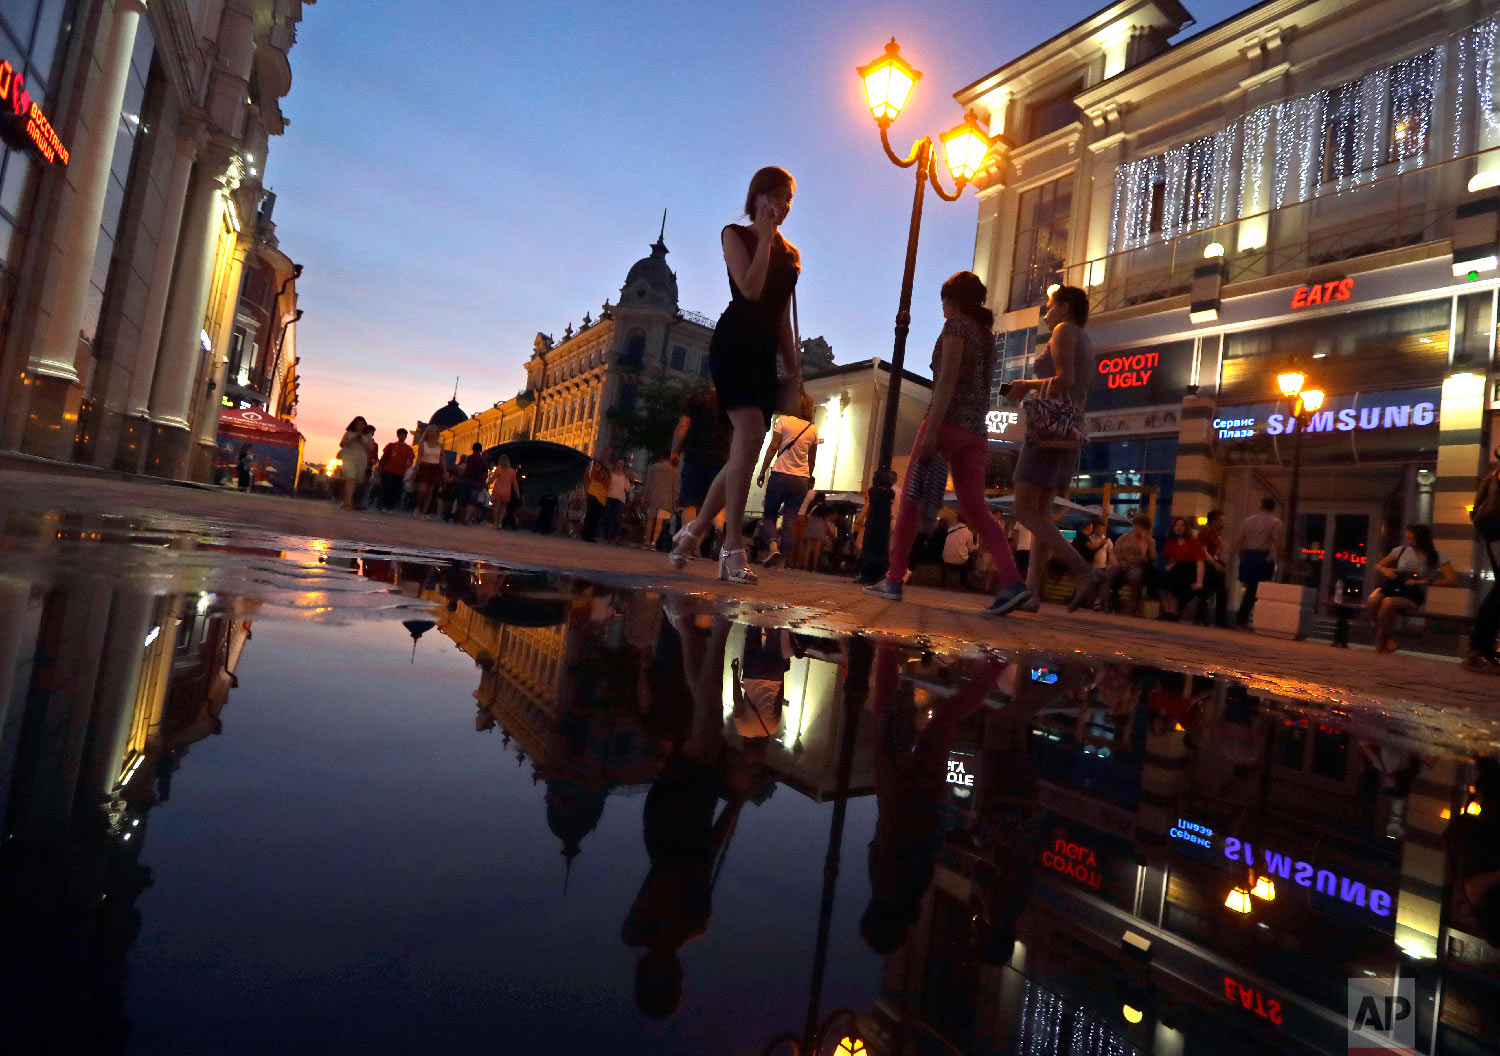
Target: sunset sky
[(459, 176)]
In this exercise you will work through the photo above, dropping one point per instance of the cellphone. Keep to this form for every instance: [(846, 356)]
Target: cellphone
[(761, 201)]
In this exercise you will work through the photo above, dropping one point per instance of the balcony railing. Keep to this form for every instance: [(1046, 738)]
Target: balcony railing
[(1387, 213)]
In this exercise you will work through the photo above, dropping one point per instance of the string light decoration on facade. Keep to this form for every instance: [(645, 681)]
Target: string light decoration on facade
[(1092, 1037), (1041, 1021), (1253, 158), (1476, 81), (1345, 134)]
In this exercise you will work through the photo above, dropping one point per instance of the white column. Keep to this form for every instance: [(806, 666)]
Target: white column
[(82, 205), (160, 285), (177, 359), (218, 368)]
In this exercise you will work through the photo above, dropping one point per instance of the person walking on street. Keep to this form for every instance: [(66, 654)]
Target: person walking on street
[(353, 460), (962, 360), (505, 493), (244, 464), (1215, 586), (701, 444), (596, 493), (1020, 537), (1044, 471), (372, 456), (473, 473), (791, 456), (1260, 546), (430, 474), (659, 498), (812, 531), (1486, 516), (618, 491), (395, 460), (752, 333)]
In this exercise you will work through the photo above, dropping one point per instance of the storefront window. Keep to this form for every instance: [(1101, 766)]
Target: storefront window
[(1388, 348), (1473, 326)]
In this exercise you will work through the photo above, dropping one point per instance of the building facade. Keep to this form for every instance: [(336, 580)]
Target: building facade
[(578, 381), (131, 209), (1306, 185), (506, 421)]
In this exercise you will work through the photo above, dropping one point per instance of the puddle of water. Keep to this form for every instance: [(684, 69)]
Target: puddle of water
[(262, 793)]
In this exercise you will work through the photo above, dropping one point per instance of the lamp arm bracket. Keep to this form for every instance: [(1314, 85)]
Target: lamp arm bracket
[(916, 151), (938, 187)]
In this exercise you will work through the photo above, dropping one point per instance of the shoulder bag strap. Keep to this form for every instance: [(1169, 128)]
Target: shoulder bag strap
[(796, 328), (792, 442)]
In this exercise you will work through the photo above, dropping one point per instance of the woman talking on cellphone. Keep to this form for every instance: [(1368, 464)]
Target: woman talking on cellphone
[(754, 330)]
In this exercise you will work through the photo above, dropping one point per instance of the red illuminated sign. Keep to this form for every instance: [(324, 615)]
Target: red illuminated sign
[(1073, 860), (23, 120), (1322, 293), (1128, 372), (1252, 1000)]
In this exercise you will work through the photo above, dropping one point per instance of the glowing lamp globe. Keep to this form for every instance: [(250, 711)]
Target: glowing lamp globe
[(1312, 400), (967, 146), (1132, 1014), (1264, 889), (851, 1047), (888, 83), (1238, 900), (1290, 382)]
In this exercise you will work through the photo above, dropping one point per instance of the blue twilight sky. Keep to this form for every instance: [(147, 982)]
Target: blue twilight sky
[(460, 175)]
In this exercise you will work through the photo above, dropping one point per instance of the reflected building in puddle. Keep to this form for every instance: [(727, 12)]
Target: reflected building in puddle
[(1172, 865), (103, 688), (583, 679)]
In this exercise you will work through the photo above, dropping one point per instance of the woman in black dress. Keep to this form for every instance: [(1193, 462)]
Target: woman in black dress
[(752, 332)]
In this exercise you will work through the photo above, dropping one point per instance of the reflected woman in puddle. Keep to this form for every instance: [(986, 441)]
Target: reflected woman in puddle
[(684, 839), (911, 791)]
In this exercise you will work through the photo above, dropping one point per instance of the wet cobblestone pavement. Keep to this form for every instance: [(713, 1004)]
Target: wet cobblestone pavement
[(276, 777)]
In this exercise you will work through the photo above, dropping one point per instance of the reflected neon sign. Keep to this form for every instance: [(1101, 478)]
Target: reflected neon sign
[(23, 120), (1305, 874)]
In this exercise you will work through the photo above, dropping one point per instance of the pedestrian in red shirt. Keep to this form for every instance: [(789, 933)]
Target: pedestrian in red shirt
[(395, 460), (1215, 581), (1183, 574)]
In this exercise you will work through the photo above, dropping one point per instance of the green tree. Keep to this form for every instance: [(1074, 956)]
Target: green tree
[(649, 423)]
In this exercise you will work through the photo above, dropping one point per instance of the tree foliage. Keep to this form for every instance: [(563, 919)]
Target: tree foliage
[(650, 422)]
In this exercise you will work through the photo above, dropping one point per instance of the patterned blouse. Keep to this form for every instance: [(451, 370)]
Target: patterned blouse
[(971, 396)]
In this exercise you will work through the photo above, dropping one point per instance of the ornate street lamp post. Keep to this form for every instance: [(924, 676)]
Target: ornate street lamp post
[(888, 84), (1306, 403)]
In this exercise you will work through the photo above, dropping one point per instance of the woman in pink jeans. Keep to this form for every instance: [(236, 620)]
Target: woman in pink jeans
[(954, 428)]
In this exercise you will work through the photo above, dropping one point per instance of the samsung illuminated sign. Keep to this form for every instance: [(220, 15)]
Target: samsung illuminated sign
[(1357, 413), (1281, 866)]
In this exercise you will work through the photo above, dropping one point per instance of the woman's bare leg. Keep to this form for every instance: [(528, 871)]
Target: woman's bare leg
[(731, 487), (1034, 510)]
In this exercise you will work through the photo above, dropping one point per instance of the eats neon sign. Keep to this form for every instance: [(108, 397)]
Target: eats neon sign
[(24, 121), (1322, 293)]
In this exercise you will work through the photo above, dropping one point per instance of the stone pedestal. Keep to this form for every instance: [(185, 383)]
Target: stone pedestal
[(1284, 610)]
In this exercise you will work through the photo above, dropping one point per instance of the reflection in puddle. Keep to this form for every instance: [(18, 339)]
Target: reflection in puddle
[(768, 838)]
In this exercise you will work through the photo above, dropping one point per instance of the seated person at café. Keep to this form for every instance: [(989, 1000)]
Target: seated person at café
[(1132, 562), (1408, 570)]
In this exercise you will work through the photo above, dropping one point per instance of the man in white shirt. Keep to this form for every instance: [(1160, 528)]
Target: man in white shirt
[(790, 457), (957, 546), (1260, 548)]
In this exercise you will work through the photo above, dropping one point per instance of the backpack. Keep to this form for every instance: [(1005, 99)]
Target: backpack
[(1486, 512)]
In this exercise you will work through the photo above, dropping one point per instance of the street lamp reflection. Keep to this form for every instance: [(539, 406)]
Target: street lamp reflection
[(1238, 900), (1290, 382)]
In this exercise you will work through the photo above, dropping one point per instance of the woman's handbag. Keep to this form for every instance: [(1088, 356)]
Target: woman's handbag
[(789, 386), (1053, 419)]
